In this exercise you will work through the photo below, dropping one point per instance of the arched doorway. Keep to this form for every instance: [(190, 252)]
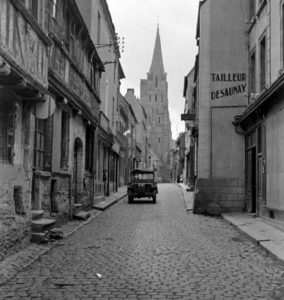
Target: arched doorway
[(78, 170)]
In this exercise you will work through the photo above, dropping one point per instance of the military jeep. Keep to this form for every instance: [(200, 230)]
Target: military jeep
[(142, 184)]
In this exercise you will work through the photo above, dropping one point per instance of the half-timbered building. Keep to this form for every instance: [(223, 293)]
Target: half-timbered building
[(64, 177), (24, 45)]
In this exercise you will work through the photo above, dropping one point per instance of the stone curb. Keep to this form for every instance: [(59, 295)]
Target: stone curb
[(188, 203), (107, 203), (275, 248), (11, 265)]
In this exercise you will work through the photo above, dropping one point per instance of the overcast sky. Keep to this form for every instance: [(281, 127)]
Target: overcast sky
[(136, 21)]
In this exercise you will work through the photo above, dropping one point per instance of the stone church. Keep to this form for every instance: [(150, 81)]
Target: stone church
[(154, 96)]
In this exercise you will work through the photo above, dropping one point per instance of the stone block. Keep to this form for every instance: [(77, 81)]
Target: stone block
[(42, 225), (82, 215), (56, 234), (37, 214), (40, 237)]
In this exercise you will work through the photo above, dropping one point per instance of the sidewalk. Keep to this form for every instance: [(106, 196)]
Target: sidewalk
[(188, 196), (263, 232), (11, 265), (260, 231), (113, 198)]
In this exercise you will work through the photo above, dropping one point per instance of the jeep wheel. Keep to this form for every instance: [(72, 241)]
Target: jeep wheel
[(154, 198)]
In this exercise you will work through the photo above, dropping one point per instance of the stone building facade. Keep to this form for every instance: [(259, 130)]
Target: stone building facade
[(141, 151), (189, 116), (58, 144), (154, 97), (262, 122), (222, 84), (102, 31), (24, 46), (239, 117)]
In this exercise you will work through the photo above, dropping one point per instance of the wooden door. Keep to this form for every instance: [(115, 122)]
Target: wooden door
[(251, 181)]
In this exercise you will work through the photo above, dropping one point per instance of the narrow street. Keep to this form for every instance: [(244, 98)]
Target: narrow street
[(151, 251)]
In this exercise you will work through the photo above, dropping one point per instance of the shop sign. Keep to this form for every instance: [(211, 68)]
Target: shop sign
[(236, 84)]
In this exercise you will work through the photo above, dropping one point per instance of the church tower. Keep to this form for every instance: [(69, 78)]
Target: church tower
[(154, 96)]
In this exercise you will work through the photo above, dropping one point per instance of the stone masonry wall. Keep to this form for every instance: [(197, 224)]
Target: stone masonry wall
[(216, 196)]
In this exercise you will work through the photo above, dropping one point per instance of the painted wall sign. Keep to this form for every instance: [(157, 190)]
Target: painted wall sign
[(237, 80)]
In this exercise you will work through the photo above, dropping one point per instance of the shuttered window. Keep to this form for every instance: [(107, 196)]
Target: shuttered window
[(39, 144), (6, 128)]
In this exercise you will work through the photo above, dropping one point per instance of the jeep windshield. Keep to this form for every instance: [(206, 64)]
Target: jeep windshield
[(142, 176)]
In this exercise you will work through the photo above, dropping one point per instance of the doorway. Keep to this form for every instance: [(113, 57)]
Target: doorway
[(78, 170), (251, 180)]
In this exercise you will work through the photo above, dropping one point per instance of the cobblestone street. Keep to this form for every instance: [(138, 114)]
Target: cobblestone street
[(151, 251)]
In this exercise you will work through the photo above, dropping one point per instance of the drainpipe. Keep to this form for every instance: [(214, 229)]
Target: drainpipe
[(108, 166), (70, 197)]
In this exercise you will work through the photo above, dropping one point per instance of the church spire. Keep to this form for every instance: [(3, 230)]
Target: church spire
[(157, 66)]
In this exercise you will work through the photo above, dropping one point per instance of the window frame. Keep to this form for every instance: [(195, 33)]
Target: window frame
[(33, 8), (262, 62), (39, 146), (65, 138), (99, 21), (252, 77), (89, 148)]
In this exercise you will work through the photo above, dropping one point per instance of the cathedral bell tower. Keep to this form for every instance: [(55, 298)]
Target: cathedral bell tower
[(154, 96)]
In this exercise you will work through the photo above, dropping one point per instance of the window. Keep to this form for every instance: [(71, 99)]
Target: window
[(33, 8), (156, 97), (113, 101), (97, 79), (39, 143), (159, 140), (99, 29), (64, 139), (262, 63), (252, 8), (252, 73), (159, 120), (156, 83), (6, 128), (54, 8), (92, 78), (282, 34), (89, 155), (114, 72), (72, 38), (149, 98), (162, 98)]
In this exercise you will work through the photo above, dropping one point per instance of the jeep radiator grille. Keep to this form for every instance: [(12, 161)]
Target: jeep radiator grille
[(148, 188)]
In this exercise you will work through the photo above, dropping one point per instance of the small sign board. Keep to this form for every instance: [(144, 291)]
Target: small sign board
[(188, 117)]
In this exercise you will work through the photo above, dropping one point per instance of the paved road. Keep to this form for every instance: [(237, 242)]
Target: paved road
[(148, 251)]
